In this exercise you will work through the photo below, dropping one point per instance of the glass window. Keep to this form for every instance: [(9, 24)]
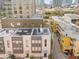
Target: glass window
[(39, 48), (45, 43), (8, 44), (45, 54), (17, 42), (20, 12), (21, 16), (9, 12), (27, 56), (15, 12), (20, 7), (39, 41), (28, 16)]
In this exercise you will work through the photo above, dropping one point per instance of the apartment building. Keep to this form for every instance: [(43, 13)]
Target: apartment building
[(25, 43), (17, 37), (19, 8)]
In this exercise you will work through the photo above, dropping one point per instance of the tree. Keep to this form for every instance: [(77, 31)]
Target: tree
[(2, 14), (50, 56), (13, 57), (31, 57), (47, 13), (46, 17)]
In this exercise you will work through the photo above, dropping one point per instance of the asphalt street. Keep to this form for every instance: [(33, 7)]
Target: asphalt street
[(56, 48)]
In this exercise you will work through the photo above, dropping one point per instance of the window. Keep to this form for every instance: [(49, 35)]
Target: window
[(8, 44), (45, 43), (39, 48), (45, 54), (9, 12), (20, 7), (27, 56), (21, 16), (36, 41), (17, 42), (20, 12), (28, 16), (33, 41), (16, 17), (15, 12), (13, 41), (33, 49), (36, 49)]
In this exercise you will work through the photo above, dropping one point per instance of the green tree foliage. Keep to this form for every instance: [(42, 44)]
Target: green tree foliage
[(2, 14), (47, 13), (50, 56), (31, 57), (13, 57), (46, 17)]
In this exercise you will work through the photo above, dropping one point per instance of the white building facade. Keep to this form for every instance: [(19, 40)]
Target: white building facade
[(19, 8), (25, 43)]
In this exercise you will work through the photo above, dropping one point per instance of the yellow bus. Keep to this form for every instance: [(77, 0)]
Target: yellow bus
[(66, 44)]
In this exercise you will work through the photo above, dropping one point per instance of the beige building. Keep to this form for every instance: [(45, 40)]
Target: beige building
[(19, 8), (24, 43), (16, 38), (22, 23)]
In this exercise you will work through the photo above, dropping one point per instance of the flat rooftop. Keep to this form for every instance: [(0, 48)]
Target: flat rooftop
[(70, 29), (24, 31), (72, 16), (36, 16)]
